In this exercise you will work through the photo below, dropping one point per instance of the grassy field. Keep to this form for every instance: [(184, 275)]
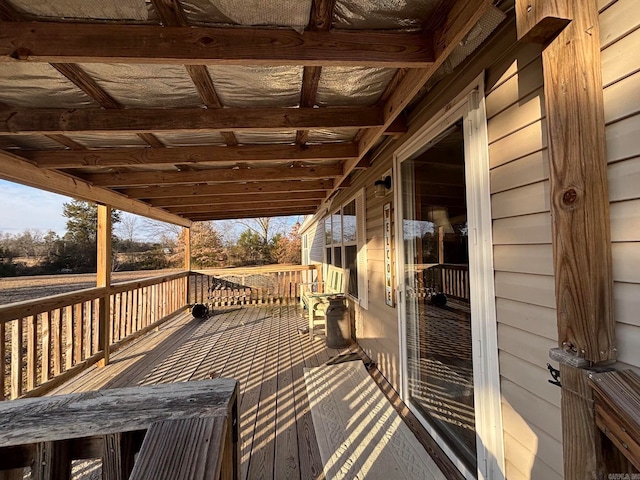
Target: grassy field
[(17, 289)]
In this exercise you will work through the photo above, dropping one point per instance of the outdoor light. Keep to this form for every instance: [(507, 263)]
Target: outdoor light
[(382, 186)]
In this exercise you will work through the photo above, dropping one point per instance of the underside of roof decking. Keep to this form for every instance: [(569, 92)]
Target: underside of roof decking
[(208, 109)]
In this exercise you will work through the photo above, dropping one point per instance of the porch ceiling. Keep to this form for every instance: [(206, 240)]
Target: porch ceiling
[(187, 110)]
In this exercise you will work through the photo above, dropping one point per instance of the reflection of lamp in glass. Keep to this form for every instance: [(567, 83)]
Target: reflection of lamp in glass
[(439, 216), (382, 186)]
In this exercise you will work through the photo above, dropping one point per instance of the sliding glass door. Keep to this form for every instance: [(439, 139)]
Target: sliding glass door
[(435, 238)]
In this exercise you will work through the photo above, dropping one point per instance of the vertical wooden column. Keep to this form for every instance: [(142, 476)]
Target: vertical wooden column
[(186, 235), (104, 279), (579, 208)]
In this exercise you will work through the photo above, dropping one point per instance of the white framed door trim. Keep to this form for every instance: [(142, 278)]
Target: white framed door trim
[(468, 105)]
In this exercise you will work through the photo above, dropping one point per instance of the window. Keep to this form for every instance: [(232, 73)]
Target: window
[(345, 245)]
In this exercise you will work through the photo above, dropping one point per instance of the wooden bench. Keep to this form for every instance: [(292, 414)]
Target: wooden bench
[(315, 296), (616, 396), (179, 431)]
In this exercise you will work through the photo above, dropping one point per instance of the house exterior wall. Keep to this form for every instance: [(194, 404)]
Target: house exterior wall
[(620, 44), (523, 264), (522, 235)]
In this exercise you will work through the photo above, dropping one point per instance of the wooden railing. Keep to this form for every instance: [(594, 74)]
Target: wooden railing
[(47, 340), (177, 431), (277, 284), (450, 279)]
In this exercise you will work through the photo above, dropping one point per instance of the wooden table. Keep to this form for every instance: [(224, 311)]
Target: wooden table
[(192, 432)]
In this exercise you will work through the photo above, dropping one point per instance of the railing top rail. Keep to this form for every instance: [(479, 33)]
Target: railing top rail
[(27, 308), (250, 270), (145, 282)]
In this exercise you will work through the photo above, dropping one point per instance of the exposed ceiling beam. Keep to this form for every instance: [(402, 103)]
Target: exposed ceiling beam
[(121, 157), (17, 170), (88, 85), (225, 199), (319, 21), (458, 22), (114, 43), (92, 120), (8, 13), (241, 206), (212, 176), (172, 14), (66, 141), (207, 91), (276, 212), (251, 188)]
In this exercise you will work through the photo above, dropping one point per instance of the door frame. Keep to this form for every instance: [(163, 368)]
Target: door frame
[(470, 106)]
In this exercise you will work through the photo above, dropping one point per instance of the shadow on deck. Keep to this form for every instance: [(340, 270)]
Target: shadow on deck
[(261, 348)]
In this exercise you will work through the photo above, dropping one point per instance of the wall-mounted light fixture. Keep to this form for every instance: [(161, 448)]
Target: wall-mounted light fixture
[(382, 186)]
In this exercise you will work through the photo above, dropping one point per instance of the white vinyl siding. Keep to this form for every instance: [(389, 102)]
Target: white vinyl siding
[(523, 262), (620, 43)]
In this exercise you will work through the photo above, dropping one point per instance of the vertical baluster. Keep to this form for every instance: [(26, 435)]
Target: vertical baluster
[(46, 346), (77, 333), (16, 358), (56, 333), (130, 314), (88, 314), (32, 351), (95, 343), (115, 311), (68, 332), (2, 360)]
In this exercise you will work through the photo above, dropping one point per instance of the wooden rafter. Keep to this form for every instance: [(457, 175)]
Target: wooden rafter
[(172, 14), (14, 169), (88, 85), (66, 141), (212, 176), (105, 43), (8, 13), (253, 188), (240, 206), (319, 21), (134, 120), (225, 199), (122, 157), (460, 19), (197, 217), (203, 83)]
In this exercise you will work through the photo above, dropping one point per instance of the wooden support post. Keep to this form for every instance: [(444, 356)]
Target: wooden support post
[(579, 209), (581, 437), (118, 455), (52, 461), (186, 235), (104, 279)]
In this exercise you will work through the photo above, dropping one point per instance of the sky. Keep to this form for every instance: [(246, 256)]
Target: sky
[(25, 208)]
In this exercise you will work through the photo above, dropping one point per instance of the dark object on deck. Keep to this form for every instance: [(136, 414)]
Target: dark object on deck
[(338, 323), (439, 299), (200, 310)]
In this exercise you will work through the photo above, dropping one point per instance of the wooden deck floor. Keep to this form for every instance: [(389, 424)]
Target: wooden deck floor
[(259, 346), (262, 348)]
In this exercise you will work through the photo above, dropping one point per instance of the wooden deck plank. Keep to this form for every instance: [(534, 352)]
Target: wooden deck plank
[(286, 455), (263, 446), (304, 355), (259, 346), (250, 388)]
